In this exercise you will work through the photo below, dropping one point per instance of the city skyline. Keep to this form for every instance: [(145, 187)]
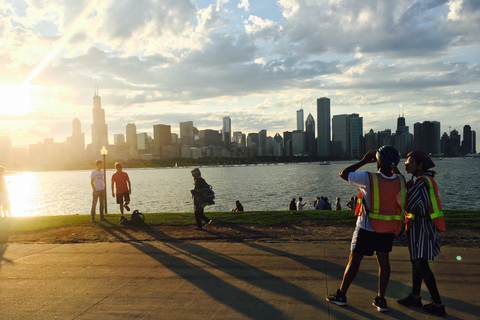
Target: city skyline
[(255, 62)]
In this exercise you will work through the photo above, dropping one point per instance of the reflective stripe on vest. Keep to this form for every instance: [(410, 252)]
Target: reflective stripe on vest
[(437, 213), (374, 210)]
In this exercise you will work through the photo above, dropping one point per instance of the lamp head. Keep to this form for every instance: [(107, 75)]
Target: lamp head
[(104, 151)]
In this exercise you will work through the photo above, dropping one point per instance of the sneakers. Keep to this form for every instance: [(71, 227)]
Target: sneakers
[(436, 310), (208, 223), (198, 228), (126, 207), (339, 298), (411, 301), (380, 304)]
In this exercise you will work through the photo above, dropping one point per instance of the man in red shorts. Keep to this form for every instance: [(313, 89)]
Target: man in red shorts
[(120, 179)]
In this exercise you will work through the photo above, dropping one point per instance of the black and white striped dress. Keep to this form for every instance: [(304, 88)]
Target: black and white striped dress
[(423, 239)]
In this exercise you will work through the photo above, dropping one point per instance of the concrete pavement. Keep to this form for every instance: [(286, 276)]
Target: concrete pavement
[(217, 280)]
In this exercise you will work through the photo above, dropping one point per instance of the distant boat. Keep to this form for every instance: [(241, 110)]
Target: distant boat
[(324, 163)]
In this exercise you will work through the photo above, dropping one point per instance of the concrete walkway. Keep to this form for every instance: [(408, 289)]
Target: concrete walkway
[(215, 280)]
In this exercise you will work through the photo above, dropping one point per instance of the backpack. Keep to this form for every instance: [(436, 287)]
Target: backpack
[(207, 196), (137, 218)]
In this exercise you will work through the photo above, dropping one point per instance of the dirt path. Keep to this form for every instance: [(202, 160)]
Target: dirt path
[(300, 231)]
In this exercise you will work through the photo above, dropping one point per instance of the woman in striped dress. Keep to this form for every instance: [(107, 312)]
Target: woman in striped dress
[(422, 231)]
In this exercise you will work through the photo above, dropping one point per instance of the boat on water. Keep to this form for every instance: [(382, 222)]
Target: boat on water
[(325, 163)]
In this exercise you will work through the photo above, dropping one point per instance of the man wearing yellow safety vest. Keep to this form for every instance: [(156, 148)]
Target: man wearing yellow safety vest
[(424, 219), (380, 211)]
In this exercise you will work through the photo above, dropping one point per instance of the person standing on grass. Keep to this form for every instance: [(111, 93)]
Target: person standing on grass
[(4, 199), (424, 219), (98, 185), (123, 186), (301, 204), (199, 187), (380, 215)]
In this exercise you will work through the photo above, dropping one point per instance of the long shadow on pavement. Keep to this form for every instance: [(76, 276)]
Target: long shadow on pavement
[(237, 299), (336, 271)]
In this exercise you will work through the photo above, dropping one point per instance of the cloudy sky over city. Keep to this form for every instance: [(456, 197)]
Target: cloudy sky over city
[(167, 61)]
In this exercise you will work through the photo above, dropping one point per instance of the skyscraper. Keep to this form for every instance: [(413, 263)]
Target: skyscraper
[(99, 127), (162, 137), (227, 133), (310, 146), (186, 133), (300, 120), (77, 139), (324, 148), (131, 136), (467, 143)]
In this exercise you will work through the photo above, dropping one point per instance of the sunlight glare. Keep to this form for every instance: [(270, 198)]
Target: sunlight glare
[(21, 189), (16, 100)]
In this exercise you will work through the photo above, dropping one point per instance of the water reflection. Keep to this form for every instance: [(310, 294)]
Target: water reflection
[(260, 187)]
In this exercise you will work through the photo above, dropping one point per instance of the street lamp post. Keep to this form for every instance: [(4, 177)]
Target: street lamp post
[(104, 153)]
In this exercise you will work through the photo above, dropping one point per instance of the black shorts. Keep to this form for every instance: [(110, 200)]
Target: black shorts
[(123, 197), (367, 242)]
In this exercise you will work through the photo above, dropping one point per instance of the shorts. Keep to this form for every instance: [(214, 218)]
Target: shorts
[(123, 197), (4, 200), (367, 242)]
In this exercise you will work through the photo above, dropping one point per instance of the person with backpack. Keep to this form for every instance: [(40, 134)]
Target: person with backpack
[(200, 188), (424, 220), (380, 214)]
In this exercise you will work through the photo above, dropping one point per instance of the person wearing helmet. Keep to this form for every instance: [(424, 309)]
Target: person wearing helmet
[(424, 219), (380, 213), (197, 193)]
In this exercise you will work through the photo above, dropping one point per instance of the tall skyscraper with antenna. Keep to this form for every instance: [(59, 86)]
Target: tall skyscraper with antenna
[(99, 127)]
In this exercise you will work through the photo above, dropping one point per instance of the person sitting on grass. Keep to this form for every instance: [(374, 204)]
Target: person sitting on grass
[(238, 206)]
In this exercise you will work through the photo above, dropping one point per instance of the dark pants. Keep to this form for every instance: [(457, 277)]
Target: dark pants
[(421, 271), (199, 216), (96, 196)]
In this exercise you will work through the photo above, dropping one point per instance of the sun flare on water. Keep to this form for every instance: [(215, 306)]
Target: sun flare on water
[(16, 99)]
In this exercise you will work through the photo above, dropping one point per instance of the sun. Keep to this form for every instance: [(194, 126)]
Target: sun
[(16, 99)]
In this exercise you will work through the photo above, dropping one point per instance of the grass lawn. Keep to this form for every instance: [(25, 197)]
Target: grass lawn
[(453, 219)]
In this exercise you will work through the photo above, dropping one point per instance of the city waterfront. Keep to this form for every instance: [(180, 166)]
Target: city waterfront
[(258, 187)]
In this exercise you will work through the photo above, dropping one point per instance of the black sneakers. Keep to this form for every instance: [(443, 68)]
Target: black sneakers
[(380, 304), (339, 298), (436, 310), (411, 301)]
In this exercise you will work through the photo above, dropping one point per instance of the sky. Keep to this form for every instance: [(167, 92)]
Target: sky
[(168, 61)]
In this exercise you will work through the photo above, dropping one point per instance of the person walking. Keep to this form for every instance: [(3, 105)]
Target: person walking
[(380, 215), (199, 187), (98, 185), (123, 186), (424, 220)]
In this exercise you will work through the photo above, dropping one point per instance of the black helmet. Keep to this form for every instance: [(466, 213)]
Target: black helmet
[(388, 156)]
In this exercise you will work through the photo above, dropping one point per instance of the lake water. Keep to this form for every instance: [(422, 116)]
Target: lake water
[(258, 187)]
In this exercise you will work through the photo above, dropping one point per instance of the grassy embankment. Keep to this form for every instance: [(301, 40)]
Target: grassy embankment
[(454, 219)]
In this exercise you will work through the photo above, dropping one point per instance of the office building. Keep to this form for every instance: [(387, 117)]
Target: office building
[(210, 137), (310, 143), (186, 133), (277, 145), (162, 137), (227, 132), (347, 135), (99, 127), (131, 136), (324, 148), (300, 120)]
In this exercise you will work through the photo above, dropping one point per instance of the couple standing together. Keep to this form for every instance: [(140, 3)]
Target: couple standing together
[(381, 209)]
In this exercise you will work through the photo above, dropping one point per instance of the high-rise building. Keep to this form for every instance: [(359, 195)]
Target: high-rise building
[(119, 139), (300, 120), (77, 140), (227, 133), (467, 143), (262, 141), (162, 137), (427, 137), (310, 145), (298, 143), (277, 145), (324, 148), (347, 135), (210, 137), (131, 136), (99, 127), (186, 133)]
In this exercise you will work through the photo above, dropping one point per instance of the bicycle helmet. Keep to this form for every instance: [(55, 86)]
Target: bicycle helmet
[(422, 157), (388, 156), (196, 173)]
